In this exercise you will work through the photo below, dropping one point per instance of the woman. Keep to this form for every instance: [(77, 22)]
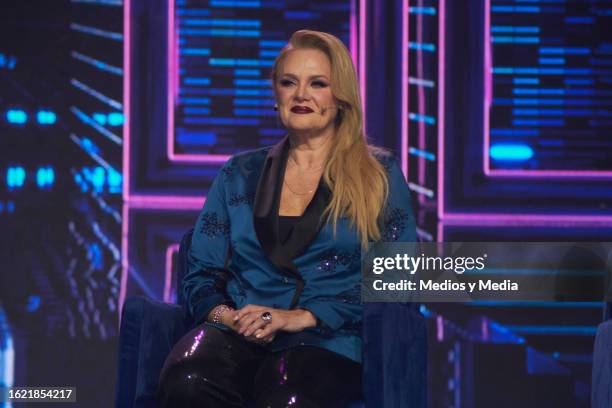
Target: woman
[(274, 279)]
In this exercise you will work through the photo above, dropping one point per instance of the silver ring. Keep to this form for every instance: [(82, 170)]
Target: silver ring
[(266, 317)]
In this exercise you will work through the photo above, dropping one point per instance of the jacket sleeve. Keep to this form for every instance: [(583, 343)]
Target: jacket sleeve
[(204, 285), (397, 224)]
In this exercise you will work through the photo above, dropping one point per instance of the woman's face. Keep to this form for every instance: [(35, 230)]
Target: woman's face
[(303, 92)]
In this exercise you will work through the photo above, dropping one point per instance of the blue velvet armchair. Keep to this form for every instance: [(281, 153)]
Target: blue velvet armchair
[(394, 338)]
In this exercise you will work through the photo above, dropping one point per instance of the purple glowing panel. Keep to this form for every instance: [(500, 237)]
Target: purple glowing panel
[(547, 91)]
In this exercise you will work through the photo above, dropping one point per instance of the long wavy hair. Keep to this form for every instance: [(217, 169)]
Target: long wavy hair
[(356, 178)]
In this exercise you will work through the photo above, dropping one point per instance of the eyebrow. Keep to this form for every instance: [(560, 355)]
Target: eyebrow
[(310, 77)]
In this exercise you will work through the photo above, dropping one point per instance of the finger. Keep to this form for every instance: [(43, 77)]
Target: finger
[(266, 331), (246, 321), (246, 310), (257, 324)]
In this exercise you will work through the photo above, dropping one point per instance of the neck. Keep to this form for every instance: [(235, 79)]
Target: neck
[(309, 149)]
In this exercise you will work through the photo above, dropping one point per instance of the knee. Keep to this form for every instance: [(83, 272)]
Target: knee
[(285, 397), (181, 385)]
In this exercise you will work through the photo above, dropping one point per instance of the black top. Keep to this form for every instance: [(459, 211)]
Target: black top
[(285, 226)]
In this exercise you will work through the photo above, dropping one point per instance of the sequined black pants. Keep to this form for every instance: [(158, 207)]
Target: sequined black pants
[(212, 368)]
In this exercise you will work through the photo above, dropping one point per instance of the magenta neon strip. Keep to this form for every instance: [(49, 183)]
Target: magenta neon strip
[(126, 99), (167, 202), (126, 154), (441, 102), (124, 252), (505, 219), (170, 251), (519, 173), (353, 33), (362, 58), (420, 101), (405, 85)]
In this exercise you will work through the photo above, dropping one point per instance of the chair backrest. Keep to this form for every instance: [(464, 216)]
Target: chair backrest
[(183, 265)]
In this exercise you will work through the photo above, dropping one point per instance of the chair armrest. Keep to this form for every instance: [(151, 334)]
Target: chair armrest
[(149, 329)]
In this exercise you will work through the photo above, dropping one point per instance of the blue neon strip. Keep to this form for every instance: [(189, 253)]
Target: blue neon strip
[(422, 46), (196, 138), (231, 62), (430, 120), (514, 132), (538, 91), (196, 111), (193, 12), (103, 66), (557, 330), (194, 101), (97, 32), (422, 10), (16, 116), (254, 102), (422, 153), (515, 29), (268, 53), (195, 51), (272, 44), (542, 71), (92, 92), (254, 92), (196, 81), (552, 61), (515, 9), (302, 15), (254, 112), (579, 81), (538, 122), (271, 132), (235, 4), (511, 152), (218, 32), (221, 22), (247, 72), (526, 81), (565, 50), (579, 20), (253, 82), (45, 117), (555, 112), (222, 121), (89, 121), (518, 40)]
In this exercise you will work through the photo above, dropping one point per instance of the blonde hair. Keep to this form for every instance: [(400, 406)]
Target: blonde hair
[(357, 180)]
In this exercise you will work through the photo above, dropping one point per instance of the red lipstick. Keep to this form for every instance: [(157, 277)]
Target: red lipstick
[(301, 109)]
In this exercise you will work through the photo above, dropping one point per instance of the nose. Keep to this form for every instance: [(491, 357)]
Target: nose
[(301, 93)]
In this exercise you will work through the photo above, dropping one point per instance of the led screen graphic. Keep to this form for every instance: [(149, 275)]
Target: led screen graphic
[(549, 85), (220, 55)]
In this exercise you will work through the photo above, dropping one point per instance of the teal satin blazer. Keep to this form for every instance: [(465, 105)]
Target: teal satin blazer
[(236, 258)]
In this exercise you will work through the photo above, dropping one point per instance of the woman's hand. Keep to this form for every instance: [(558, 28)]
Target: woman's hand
[(248, 321)]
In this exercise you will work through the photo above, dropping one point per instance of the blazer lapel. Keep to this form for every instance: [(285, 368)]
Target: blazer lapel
[(265, 216)]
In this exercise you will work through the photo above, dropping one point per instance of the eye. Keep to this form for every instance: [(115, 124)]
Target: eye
[(319, 84), (285, 82)]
